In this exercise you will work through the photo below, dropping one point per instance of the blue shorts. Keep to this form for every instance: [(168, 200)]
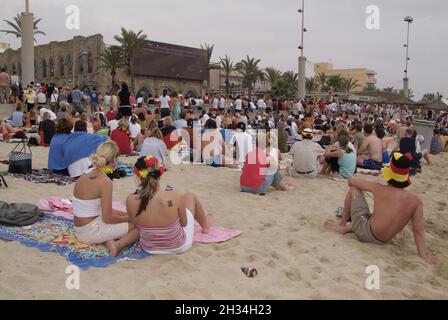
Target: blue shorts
[(372, 165), (269, 180)]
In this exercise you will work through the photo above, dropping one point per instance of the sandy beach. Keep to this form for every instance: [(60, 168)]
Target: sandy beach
[(283, 238)]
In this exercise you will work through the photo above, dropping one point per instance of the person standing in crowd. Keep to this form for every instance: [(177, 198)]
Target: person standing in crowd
[(124, 100), (15, 86), (54, 104), (94, 100), (5, 82), (30, 98), (76, 96), (165, 104)]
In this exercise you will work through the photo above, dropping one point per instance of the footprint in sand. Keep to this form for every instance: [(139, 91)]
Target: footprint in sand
[(271, 264), (317, 270), (442, 205), (293, 275), (251, 258)]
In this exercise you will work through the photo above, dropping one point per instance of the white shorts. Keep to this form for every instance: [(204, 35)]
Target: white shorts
[(98, 231), (189, 234)]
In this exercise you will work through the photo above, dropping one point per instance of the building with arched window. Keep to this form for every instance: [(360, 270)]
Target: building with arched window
[(159, 66)]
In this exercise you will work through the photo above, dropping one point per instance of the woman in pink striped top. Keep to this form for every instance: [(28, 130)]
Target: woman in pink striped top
[(165, 219)]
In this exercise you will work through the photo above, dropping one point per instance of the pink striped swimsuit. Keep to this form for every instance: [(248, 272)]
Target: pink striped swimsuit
[(166, 238)]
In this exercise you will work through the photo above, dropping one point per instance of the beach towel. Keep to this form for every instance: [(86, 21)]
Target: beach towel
[(42, 176), (216, 235), (64, 208), (55, 234), (126, 167)]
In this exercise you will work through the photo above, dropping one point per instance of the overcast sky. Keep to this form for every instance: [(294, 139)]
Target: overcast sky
[(269, 30)]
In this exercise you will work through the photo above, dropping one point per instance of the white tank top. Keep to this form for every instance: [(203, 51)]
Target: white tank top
[(86, 208)]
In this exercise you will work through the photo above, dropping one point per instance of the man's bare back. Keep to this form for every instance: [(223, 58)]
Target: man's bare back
[(373, 147), (393, 210)]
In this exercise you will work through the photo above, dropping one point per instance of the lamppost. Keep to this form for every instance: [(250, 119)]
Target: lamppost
[(27, 50), (302, 59), (409, 20)]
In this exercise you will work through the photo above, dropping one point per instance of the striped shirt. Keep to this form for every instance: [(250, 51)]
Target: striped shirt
[(170, 237)]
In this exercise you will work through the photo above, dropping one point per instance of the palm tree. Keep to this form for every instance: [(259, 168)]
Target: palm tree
[(321, 79), (291, 80), (131, 44), (389, 89), (281, 88), (111, 60), (251, 73), (208, 48), (350, 84), (272, 75), (335, 82), (16, 26), (311, 84), (228, 67)]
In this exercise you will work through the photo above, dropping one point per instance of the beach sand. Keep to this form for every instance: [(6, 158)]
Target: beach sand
[(283, 238)]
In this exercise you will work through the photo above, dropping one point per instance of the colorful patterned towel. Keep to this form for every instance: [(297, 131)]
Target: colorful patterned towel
[(43, 176), (56, 234)]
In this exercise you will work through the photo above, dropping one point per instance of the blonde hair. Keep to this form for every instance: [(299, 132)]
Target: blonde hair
[(156, 133), (105, 153), (124, 124)]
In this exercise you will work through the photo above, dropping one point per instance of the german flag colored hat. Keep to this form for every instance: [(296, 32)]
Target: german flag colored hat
[(397, 173)]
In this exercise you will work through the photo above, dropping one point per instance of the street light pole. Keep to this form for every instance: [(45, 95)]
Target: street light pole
[(409, 20), (302, 59)]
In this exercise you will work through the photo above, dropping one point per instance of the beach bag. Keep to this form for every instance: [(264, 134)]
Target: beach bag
[(19, 214), (20, 161)]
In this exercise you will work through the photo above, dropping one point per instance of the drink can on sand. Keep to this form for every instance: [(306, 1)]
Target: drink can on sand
[(249, 272)]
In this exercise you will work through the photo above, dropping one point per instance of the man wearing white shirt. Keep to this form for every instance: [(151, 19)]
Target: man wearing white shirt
[(238, 104), (299, 107), (41, 98), (113, 124), (222, 103), (165, 104), (243, 142), (215, 103), (261, 104)]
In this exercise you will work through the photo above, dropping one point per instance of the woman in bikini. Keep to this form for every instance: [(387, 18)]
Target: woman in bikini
[(165, 218)]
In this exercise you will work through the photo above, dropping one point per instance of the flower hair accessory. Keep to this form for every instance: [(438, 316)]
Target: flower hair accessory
[(148, 166)]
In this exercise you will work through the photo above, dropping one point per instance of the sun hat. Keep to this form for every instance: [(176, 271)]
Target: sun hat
[(307, 133), (397, 172)]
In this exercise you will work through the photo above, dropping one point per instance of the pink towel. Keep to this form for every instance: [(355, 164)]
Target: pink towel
[(216, 235), (62, 208)]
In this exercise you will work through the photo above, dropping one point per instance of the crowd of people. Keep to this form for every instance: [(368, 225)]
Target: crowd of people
[(262, 137)]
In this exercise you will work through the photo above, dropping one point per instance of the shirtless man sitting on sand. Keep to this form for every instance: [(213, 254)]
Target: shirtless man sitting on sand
[(370, 154), (394, 208)]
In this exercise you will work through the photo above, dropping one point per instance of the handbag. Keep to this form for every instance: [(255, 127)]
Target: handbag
[(20, 161)]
